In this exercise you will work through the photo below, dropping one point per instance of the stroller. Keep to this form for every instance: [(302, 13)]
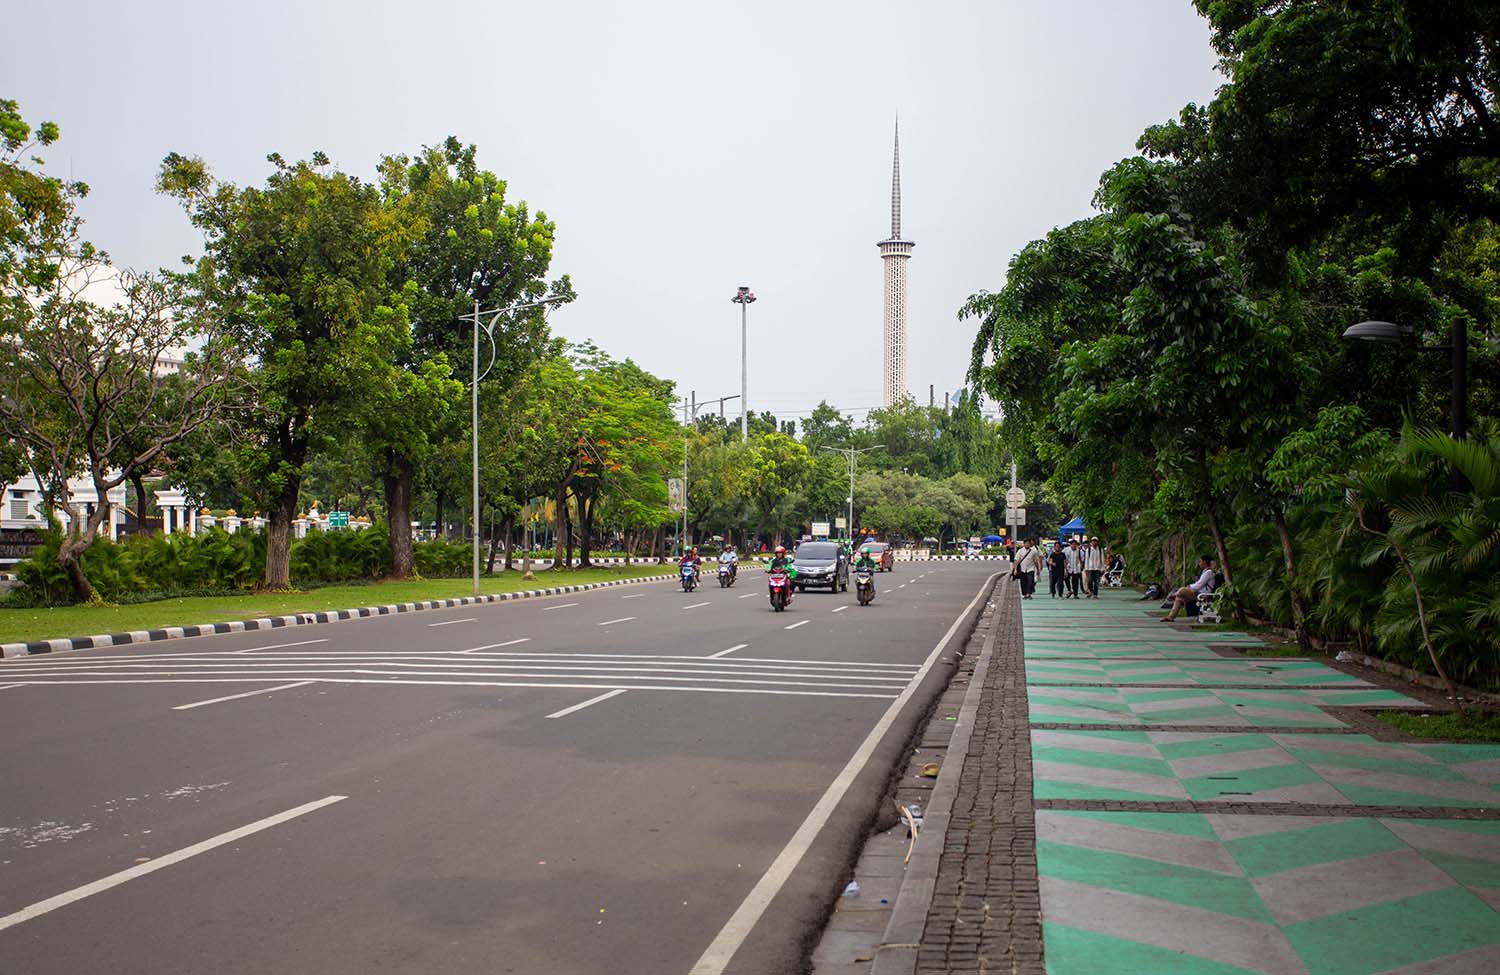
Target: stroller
[(1114, 578)]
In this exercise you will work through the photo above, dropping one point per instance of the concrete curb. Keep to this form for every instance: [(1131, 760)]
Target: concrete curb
[(297, 619), (897, 953)]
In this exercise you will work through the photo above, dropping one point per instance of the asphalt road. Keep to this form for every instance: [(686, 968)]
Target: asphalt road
[(629, 780)]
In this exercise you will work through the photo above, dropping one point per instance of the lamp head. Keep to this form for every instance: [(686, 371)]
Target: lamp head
[(1388, 333)]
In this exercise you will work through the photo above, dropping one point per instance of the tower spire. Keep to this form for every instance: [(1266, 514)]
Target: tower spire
[(896, 185)]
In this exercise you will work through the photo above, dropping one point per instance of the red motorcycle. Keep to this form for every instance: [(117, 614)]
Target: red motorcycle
[(781, 588)]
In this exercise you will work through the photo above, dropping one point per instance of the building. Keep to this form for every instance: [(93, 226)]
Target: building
[(894, 253)]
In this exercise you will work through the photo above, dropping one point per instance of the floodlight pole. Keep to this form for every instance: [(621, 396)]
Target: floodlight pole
[(743, 297)]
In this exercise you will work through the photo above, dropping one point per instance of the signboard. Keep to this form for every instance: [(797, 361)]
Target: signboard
[(338, 519), (675, 494), (1015, 498), (1015, 516), (820, 529), (841, 522), (17, 543)]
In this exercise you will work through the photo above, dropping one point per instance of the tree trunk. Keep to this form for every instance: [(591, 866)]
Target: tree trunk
[(1213, 528), (279, 537), (1168, 561), (438, 515), (585, 529), (489, 565), (138, 482), (561, 542), (1299, 611), (508, 529), (75, 541), (397, 481)]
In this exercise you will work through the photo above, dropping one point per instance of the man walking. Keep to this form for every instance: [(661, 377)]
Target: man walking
[(1028, 564), (1189, 593), (1056, 569), (1093, 566), (1073, 566)]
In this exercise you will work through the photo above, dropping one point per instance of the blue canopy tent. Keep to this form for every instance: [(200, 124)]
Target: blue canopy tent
[(1074, 527), (992, 540)]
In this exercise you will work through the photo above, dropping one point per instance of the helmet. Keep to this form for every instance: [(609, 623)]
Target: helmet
[(865, 550), (781, 550)]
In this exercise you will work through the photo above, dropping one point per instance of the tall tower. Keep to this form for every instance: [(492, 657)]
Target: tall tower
[(894, 253)]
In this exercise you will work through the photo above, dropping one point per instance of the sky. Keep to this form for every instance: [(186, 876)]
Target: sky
[(682, 148)]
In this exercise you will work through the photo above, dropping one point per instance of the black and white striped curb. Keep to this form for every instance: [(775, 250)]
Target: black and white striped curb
[(298, 619)]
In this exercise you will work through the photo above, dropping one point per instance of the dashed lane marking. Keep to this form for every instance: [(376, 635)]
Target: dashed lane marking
[(748, 595), (236, 697), (6, 687), (725, 653), (696, 605), (281, 646), (580, 706), (634, 595), (841, 609), (558, 606), (797, 624), (467, 619), (622, 619), (496, 646)]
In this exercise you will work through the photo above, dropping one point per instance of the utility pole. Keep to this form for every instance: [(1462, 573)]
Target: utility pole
[(743, 297), (852, 454)]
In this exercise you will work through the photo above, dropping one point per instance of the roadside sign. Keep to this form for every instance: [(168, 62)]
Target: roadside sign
[(1015, 498), (338, 519), (820, 529), (841, 522), (1015, 516), (675, 494)]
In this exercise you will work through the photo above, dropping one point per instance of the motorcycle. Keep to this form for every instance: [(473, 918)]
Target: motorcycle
[(864, 586), (781, 587), (689, 577), (727, 572)]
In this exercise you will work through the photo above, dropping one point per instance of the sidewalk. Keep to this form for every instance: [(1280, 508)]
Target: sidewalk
[(1173, 806)]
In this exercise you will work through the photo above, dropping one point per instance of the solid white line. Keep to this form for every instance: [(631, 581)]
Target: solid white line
[(696, 605), (510, 683), (634, 595), (281, 646), (725, 653), (142, 869), (748, 595), (558, 606), (797, 624), (492, 646), (470, 619), (6, 687), (841, 609), (236, 697), (622, 619), (718, 954), (593, 700)]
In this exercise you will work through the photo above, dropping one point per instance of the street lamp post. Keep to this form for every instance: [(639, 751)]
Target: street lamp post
[(478, 318), (743, 297), (852, 455), (690, 417)]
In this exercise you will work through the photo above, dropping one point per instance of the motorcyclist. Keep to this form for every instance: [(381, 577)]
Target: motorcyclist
[(690, 557), (866, 563), (782, 561), (730, 558)]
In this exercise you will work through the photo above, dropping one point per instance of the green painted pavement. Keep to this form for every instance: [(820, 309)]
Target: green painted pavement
[(1176, 884), (1072, 951), (1347, 839), (1404, 932)]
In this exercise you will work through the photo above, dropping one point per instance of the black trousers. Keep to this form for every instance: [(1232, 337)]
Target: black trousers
[(1028, 583), (1055, 581), (1094, 575), (1073, 581)]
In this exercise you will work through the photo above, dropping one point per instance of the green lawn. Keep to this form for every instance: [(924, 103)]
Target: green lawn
[(1450, 727), (22, 625)]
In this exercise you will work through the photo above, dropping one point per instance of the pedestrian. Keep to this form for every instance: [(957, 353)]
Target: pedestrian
[(1057, 567), (1093, 565), (1028, 564), (1189, 593), (1073, 566)]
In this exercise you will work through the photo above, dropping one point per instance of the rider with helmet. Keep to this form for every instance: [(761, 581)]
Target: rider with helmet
[(784, 562), (690, 557)]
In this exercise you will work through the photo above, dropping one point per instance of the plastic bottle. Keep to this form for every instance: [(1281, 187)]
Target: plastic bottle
[(852, 890)]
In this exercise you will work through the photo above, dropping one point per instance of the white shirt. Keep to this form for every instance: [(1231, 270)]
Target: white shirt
[(1093, 559), (1205, 582), (1030, 560), (729, 558), (1074, 557)]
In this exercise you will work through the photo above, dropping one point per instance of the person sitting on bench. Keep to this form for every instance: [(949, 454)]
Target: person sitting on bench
[(1189, 594)]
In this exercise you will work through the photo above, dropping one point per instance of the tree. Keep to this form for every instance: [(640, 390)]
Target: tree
[(464, 244), (826, 427), (298, 271), (777, 465)]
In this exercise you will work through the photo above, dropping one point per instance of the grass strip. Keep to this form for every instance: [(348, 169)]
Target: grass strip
[(1469, 726)]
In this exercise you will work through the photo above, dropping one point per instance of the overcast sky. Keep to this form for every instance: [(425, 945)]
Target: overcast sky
[(683, 148)]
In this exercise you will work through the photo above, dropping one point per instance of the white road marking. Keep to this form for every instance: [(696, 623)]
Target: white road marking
[(622, 619), (468, 619), (281, 646), (902, 586), (492, 646), (797, 624), (6, 687), (696, 605), (841, 609), (748, 595), (634, 595), (717, 957), (725, 653), (142, 869), (236, 697), (593, 700), (558, 606)]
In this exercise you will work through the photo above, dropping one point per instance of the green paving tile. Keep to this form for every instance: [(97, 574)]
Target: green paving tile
[(1261, 856), (1178, 824), (1467, 870), (1172, 694), (1315, 719), (1423, 770), (1458, 754), (1214, 745), (1152, 878), (1230, 784), (1138, 737), (1052, 789), (1118, 707), (1403, 932), (1365, 796), (1041, 717), (1223, 715), (1073, 951), (1123, 763), (1481, 827)]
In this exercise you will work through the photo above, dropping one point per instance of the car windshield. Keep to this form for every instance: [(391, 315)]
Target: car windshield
[(876, 548), (818, 551)]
